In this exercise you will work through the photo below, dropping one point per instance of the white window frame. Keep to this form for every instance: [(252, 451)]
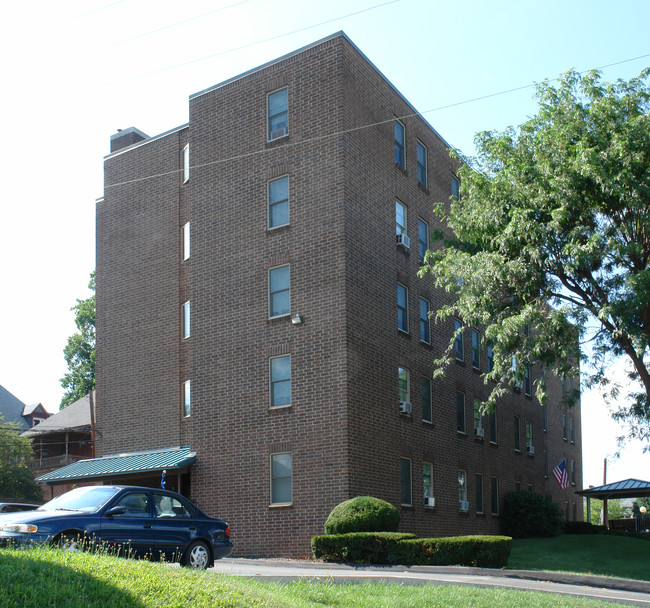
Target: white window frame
[(273, 293), (427, 486), (185, 237), (273, 381), (423, 166), (271, 204), (478, 417), (401, 228), (269, 118), (455, 186), (400, 145), (187, 398), (404, 372), (186, 320), (459, 346), (529, 435), (186, 164), (272, 479), (462, 485), (403, 309)]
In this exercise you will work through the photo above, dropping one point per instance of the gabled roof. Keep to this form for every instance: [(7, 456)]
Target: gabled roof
[(11, 408), (28, 410), (75, 416), (122, 464), (628, 488)]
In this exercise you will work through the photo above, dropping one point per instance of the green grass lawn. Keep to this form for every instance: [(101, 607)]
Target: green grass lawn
[(48, 578), (599, 554)]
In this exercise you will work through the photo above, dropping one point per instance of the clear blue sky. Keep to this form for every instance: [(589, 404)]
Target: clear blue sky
[(75, 71)]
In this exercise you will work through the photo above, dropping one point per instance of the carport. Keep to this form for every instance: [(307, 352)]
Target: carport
[(628, 488)]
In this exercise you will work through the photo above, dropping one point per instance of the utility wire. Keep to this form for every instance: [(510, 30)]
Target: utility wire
[(366, 126), (255, 43)]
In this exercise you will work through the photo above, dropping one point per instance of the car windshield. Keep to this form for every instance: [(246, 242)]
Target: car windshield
[(88, 499)]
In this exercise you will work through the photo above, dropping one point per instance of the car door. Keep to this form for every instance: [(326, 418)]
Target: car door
[(175, 525), (130, 528)]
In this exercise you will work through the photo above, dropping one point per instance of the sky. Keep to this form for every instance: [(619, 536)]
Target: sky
[(75, 71)]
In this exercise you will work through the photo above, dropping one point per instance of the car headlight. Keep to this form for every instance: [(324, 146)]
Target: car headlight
[(18, 528)]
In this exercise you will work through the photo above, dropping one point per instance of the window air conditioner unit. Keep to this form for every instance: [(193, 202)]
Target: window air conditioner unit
[(464, 505), (479, 432), (429, 501), (531, 449), (404, 407), (403, 240), (281, 132)]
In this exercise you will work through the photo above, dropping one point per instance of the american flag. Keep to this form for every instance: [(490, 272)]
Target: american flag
[(561, 475)]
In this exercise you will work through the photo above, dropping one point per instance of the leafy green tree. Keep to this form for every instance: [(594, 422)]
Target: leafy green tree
[(552, 232), (16, 480), (614, 510), (79, 352)]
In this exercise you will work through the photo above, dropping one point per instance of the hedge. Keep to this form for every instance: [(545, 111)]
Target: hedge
[(357, 547), (479, 551), (582, 527)]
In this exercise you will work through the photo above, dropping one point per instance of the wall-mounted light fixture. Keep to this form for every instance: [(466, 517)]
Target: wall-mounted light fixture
[(296, 319)]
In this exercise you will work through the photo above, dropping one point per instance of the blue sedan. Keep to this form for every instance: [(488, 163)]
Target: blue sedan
[(137, 521)]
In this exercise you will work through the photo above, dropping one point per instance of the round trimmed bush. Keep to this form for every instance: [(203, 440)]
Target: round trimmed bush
[(362, 514)]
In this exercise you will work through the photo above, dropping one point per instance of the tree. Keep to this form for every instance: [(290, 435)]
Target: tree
[(614, 510), (79, 352), (552, 232), (16, 480)]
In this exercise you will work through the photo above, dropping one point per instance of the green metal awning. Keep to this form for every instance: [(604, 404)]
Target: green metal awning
[(122, 464)]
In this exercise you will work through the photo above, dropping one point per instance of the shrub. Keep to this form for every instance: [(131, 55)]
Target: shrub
[(526, 514), (479, 551), (581, 527), (362, 514), (357, 547)]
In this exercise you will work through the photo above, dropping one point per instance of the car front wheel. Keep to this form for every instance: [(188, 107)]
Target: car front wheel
[(197, 556), (70, 542)]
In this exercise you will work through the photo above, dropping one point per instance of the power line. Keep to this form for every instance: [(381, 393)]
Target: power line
[(255, 43), (359, 128)]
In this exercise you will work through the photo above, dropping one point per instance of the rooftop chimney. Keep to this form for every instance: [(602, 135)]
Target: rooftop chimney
[(126, 137)]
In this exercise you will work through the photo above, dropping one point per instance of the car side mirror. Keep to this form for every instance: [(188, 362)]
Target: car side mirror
[(115, 511)]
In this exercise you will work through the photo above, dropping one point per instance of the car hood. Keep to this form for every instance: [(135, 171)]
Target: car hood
[(34, 516)]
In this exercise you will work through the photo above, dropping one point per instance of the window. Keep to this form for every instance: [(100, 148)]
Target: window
[(427, 482), (402, 308), (478, 483), (423, 240), (136, 505), (572, 430), (516, 380), (494, 495), (281, 474), (458, 341), (490, 357), (573, 472), (517, 486), (400, 218), (425, 324), (529, 436), (478, 418), (400, 149), (425, 389), (280, 375), (187, 398), (277, 114), (186, 164), (404, 385), (405, 478), (455, 186), (278, 201), (493, 426), (422, 164), (462, 490), (527, 383), (564, 428), (460, 412), (186, 241), (186, 320), (279, 294), (530, 488), (517, 429), (170, 507), (476, 349)]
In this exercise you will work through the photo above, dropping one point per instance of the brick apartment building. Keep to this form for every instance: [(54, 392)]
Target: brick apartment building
[(255, 305)]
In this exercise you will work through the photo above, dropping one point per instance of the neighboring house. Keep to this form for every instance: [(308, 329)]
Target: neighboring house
[(13, 410), (263, 336), (64, 438)]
